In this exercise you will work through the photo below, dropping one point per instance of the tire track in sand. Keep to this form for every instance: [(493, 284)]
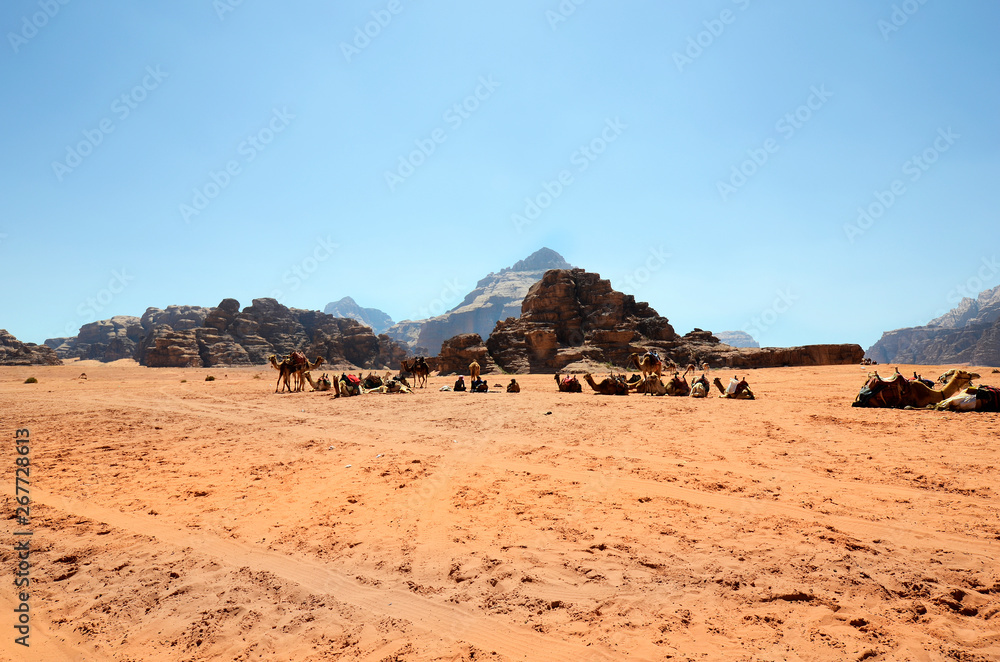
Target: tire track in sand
[(444, 620)]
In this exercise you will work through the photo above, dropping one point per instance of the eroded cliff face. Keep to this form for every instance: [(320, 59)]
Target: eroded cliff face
[(230, 337), (574, 320), (969, 333), (15, 352)]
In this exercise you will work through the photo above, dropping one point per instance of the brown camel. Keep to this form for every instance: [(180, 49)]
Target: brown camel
[(299, 369), (608, 386), (700, 388), (474, 371), (569, 385), (321, 384), (898, 391), (513, 387), (418, 368), (678, 385), (647, 364), (372, 382), (284, 372), (652, 385), (974, 398), (738, 389)]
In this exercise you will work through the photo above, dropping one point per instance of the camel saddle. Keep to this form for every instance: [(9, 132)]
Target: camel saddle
[(874, 386), (989, 396), (298, 358)]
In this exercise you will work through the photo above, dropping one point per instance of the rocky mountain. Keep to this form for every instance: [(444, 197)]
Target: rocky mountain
[(348, 308), (574, 320), (968, 333), (495, 297), (105, 340), (737, 338), (15, 352), (230, 337)]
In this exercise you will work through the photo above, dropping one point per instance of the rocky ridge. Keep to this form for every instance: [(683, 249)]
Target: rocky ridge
[(15, 352), (968, 333), (348, 308)]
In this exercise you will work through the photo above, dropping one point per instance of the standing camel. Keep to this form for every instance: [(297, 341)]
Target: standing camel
[(648, 364), (473, 371), (419, 369), (284, 371)]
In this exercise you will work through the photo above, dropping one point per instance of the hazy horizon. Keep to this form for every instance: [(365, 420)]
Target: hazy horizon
[(800, 172)]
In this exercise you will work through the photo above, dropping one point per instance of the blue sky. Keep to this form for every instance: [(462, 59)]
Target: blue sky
[(710, 158)]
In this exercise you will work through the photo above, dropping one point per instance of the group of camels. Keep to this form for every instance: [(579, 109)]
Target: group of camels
[(651, 381), (955, 394)]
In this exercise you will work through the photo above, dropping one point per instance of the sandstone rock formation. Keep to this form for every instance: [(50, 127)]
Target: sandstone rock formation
[(15, 352), (737, 339), (458, 352), (348, 308), (495, 297), (574, 320), (230, 337), (969, 333), (104, 340)]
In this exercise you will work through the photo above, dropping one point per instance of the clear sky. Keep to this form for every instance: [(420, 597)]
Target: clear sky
[(709, 157)]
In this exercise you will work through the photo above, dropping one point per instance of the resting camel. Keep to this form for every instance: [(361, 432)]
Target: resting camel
[(700, 387), (648, 363), (652, 385), (678, 385), (418, 367), (738, 389), (974, 398), (513, 387), (898, 391), (608, 386), (372, 382), (474, 371), (569, 385), (321, 384)]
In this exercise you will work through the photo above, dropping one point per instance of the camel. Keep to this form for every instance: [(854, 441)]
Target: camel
[(418, 367), (513, 387), (372, 382), (346, 387), (678, 384), (284, 371), (569, 385), (321, 384), (648, 363), (474, 371), (897, 391), (700, 387), (299, 369), (652, 385), (608, 386), (974, 398), (738, 389)]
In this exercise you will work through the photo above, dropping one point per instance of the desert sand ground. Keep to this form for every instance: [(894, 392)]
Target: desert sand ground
[(214, 520)]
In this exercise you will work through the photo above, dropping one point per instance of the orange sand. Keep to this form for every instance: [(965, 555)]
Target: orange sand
[(218, 521)]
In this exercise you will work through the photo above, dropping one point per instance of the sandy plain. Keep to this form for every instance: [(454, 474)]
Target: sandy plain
[(175, 518)]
